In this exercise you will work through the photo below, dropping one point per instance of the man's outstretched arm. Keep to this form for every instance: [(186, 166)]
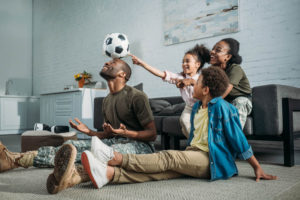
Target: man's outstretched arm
[(148, 134), (84, 129)]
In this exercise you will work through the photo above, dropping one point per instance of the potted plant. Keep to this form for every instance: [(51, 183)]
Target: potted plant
[(83, 78)]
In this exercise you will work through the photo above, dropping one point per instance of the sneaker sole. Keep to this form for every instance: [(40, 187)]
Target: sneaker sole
[(86, 166), (64, 161), (52, 184)]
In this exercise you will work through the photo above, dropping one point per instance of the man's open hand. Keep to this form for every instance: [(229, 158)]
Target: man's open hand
[(110, 130), (80, 126)]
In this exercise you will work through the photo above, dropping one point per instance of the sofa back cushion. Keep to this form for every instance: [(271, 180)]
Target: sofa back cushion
[(172, 110), (157, 105)]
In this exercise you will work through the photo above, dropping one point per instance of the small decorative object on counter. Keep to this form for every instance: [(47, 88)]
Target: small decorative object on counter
[(53, 129), (83, 78)]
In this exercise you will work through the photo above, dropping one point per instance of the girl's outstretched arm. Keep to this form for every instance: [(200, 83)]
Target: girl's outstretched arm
[(259, 173), (149, 68)]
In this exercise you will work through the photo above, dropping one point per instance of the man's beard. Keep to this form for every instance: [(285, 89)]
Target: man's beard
[(107, 76)]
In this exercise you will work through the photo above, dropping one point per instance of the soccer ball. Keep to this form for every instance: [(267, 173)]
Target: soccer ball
[(116, 45)]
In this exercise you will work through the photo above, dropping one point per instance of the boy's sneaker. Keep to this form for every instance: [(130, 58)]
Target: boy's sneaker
[(95, 169), (101, 151)]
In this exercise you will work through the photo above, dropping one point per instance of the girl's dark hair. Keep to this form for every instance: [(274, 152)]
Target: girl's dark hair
[(202, 54), (216, 80), (234, 46)]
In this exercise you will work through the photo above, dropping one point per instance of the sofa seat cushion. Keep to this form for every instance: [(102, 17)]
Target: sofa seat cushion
[(172, 127), (158, 120), (32, 140)]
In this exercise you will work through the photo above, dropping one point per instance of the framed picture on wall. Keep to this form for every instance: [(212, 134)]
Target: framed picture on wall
[(194, 19)]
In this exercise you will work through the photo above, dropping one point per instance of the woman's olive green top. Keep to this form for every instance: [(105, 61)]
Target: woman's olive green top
[(239, 80)]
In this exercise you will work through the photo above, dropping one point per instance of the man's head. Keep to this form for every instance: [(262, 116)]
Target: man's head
[(213, 81), (115, 68)]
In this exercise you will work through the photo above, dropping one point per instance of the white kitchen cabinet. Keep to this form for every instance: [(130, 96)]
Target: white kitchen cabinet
[(18, 113), (58, 107)]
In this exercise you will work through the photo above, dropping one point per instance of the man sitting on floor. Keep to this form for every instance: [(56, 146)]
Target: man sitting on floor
[(129, 127), (216, 139)]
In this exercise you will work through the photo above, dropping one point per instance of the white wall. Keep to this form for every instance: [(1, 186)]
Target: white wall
[(16, 46), (68, 37)]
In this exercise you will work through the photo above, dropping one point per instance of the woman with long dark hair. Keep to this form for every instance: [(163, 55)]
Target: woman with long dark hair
[(225, 54)]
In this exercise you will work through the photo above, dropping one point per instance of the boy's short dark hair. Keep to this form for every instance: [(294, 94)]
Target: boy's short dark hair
[(216, 80)]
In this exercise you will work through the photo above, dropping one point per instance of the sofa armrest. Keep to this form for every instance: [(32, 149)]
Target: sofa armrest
[(98, 115), (267, 108)]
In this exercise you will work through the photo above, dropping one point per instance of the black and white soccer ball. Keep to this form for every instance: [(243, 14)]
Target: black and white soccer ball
[(116, 45)]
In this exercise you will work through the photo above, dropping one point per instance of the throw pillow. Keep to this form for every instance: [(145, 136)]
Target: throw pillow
[(157, 105), (171, 110), (139, 86)]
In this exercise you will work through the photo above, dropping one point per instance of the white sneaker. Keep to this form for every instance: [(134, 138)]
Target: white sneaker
[(95, 169), (101, 151)]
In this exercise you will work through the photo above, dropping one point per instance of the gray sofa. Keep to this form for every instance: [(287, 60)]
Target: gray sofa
[(275, 117)]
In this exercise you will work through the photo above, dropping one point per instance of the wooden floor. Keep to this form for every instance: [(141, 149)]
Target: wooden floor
[(265, 151)]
